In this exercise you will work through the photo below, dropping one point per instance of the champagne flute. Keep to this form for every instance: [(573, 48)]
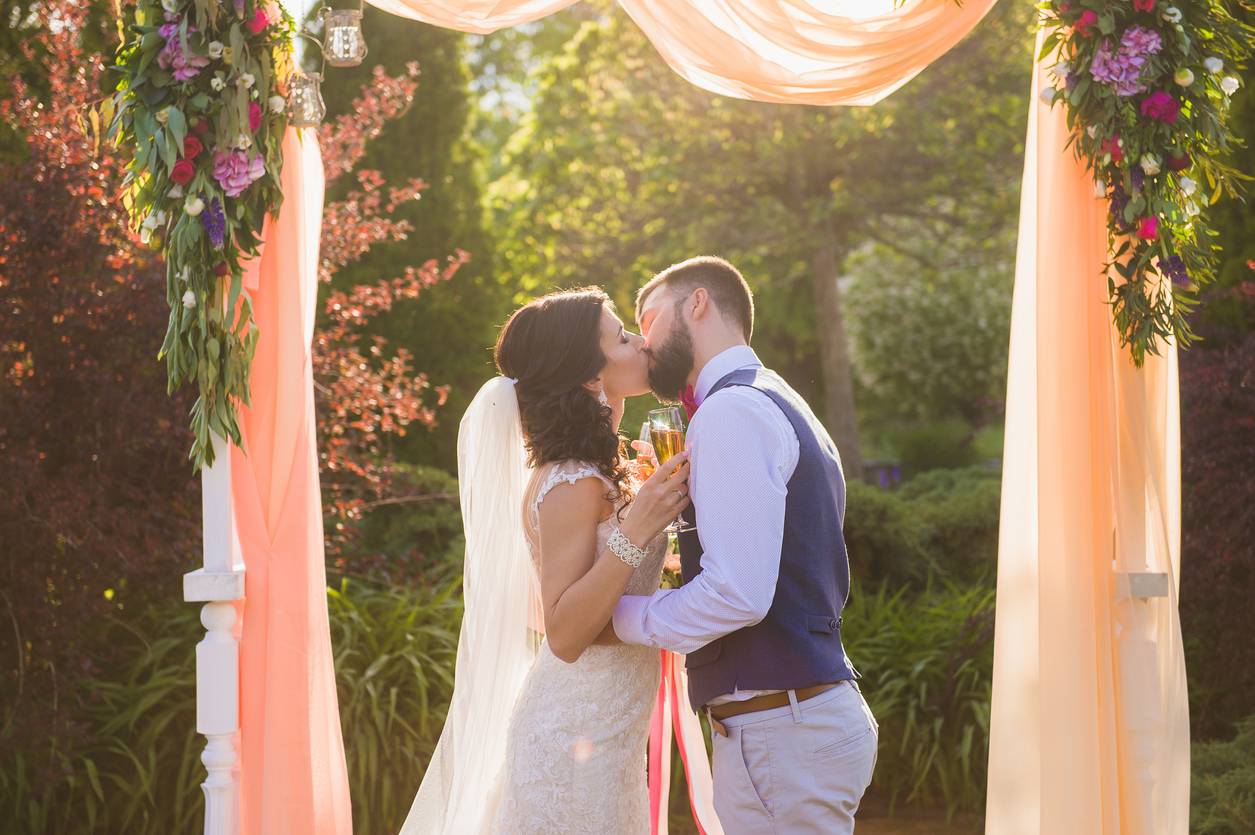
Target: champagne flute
[(666, 433)]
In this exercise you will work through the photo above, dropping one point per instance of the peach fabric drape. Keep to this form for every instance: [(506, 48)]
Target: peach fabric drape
[(292, 757), (820, 52), (1089, 725)]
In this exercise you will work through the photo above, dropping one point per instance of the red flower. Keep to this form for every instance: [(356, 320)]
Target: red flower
[(1162, 106), (1148, 228), (200, 127), (259, 22), (192, 147), (1112, 146), (1178, 163), (1087, 19), (1144, 5), (221, 269), (182, 172), (254, 116)]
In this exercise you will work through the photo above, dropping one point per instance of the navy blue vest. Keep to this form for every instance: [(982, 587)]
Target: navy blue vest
[(798, 644)]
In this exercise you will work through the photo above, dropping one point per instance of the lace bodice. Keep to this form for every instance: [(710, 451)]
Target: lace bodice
[(575, 760), (644, 579)]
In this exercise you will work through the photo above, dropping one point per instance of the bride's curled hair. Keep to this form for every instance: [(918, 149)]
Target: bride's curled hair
[(552, 347)]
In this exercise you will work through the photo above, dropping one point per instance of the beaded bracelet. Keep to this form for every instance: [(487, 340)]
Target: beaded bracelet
[(623, 548)]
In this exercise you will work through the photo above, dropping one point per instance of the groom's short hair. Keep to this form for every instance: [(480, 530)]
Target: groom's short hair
[(724, 282)]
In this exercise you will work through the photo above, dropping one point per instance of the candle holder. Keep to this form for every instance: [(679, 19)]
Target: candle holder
[(305, 105), (343, 42)]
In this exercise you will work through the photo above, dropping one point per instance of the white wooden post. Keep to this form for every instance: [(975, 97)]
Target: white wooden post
[(218, 654)]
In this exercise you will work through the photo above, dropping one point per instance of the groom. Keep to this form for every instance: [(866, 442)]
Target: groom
[(765, 572)]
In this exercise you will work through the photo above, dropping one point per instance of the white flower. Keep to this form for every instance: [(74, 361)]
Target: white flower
[(161, 217), (243, 142), (175, 192), (185, 275), (1060, 70), (1150, 164), (1229, 84), (1100, 188), (1188, 186), (189, 299), (1092, 130), (163, 115), (245, 80), (194, 205), (1184, 77), (145, 235), (1172, 14), (215, 49), (217, 83), (277, 104), (1191, 209), (1213, 64), (1048, 95), (170, 5)]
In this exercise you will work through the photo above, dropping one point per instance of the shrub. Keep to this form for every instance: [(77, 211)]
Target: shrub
[(961, 510), (927, 665), (886, 540), (1222, 784)]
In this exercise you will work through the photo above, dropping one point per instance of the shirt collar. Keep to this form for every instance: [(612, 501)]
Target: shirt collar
[(721, 365)]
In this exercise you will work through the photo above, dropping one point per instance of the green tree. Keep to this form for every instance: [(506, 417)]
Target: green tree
[(621, 167), (451, 328)]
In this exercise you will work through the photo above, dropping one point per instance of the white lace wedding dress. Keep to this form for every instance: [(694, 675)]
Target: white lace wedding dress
[(576, 748)]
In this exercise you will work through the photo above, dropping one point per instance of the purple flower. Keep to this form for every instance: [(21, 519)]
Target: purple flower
[(1173, 268), (1119, 70), (1138, 41), (215, 223), (1119, 200), (1137, 177), (236, 170)]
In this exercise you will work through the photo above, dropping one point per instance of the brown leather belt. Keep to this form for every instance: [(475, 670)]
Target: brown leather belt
[(767, 702)]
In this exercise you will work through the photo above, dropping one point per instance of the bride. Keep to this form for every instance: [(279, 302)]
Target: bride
[(549, 720)]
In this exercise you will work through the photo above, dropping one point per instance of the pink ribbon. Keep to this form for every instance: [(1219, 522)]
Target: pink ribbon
[(672, 702)]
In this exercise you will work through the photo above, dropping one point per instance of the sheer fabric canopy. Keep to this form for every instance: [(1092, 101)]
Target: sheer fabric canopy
[(1089, 727)]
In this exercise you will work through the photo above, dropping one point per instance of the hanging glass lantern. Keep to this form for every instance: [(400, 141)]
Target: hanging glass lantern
[(343, 42), (305, 105)]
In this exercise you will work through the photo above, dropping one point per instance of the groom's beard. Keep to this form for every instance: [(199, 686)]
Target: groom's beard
[(673, 361)]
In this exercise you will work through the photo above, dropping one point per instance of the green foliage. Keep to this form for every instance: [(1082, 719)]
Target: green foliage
[(175, 130), (927, 662), (394, 654), (138, 770), (1222, 784), (451, 328), (1118, 137), (941, 524)]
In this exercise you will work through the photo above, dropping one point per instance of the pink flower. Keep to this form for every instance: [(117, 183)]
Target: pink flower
[(1087, 19), (1148, 228), (254, 116), (1144, 5), (1162, 106), (1179, 163), (183, 65), (237, 170), (259, 22)]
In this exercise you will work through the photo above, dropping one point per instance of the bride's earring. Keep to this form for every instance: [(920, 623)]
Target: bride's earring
[(602, 399)]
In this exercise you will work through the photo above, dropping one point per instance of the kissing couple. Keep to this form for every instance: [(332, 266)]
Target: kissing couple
[(558, 661)]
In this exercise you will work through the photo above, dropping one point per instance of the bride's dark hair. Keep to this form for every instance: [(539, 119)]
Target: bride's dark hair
[(552, 347)]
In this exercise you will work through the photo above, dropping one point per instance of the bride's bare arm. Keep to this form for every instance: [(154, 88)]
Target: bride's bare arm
[(579, 587)]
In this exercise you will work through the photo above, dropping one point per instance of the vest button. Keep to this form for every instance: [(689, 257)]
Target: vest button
[(833, 623)]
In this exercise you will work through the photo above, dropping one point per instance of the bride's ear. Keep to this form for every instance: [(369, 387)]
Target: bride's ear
[(597, 388)]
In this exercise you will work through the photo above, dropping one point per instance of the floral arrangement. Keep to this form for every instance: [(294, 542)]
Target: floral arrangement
[(201, 111), (1146, 87)]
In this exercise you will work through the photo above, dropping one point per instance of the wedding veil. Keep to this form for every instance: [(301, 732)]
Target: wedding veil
[(498, 641)]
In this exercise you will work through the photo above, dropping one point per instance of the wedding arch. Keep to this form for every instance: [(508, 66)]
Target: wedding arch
[(1089, 724)]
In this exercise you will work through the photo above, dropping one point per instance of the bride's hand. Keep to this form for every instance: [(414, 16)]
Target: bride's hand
[(659, 501)]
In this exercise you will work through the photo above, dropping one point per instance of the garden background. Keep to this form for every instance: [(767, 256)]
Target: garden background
[(493, 169)]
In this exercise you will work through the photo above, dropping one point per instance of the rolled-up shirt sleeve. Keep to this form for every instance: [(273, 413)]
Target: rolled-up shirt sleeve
[(743, 452)]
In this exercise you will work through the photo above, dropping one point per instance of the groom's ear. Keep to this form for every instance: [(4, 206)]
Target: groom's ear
[(698, 303)]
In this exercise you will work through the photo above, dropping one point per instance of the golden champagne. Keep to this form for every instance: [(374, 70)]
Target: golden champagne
[(667, 443)]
